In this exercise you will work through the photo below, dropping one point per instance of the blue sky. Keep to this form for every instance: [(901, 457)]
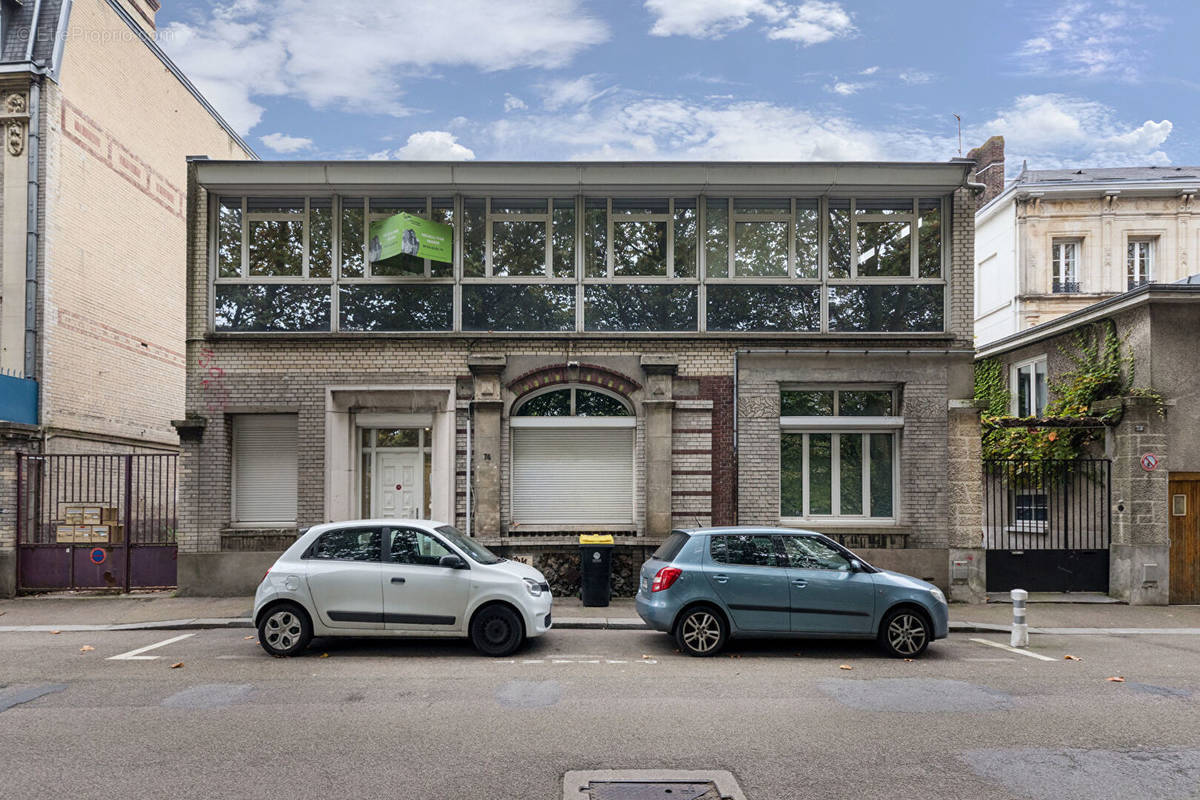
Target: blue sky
[(1067, 82)]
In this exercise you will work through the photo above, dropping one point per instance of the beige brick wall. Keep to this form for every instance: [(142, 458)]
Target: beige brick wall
[(118, 129)]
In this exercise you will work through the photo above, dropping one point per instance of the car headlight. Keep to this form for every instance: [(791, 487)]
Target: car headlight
[(937, 595), (534, 587)]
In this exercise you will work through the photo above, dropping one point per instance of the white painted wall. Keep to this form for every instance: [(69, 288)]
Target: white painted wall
[(996, 283)]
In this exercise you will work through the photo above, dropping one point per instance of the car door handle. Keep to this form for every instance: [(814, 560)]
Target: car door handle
[(799, 584), (397, 580), (720, 578)]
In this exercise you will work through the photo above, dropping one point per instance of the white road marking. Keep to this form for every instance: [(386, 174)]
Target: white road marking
[(1014, 649), (136, 655)]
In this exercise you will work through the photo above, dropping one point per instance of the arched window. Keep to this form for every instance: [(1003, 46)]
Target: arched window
[(572, 458), (573, 402)]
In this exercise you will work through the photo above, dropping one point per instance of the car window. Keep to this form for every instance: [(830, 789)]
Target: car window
[(671, 547), (745, 550), (411, 546), (347, 544), (805, 552)]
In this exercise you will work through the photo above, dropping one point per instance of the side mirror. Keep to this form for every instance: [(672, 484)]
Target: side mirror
[(452, 561), (856, 565)]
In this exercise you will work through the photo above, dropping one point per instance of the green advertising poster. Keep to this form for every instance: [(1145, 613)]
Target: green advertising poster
[(405, 234)]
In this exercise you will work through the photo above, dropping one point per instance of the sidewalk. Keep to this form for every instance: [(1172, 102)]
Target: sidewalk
[(88, 611)]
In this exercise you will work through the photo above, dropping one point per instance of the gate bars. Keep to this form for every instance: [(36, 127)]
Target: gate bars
[(1051, 504)]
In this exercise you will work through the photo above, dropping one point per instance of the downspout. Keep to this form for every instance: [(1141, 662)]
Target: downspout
[(32, 234), (470, 419)]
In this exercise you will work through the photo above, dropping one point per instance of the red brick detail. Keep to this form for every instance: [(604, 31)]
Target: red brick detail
[(691, 430), (690, 494), (719, 389), (584, 374), (691, 472), (679, 452), (78, 323), (105, 147)]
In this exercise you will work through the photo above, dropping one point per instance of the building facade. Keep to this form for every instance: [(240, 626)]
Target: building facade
[(1149, 514), (1054, 241), (98, 124), (621, 348)]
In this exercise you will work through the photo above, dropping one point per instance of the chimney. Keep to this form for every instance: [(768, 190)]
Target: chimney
[(989, 167), (143, 13)]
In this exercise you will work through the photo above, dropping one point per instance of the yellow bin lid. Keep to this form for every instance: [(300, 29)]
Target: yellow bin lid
[(596, 538)]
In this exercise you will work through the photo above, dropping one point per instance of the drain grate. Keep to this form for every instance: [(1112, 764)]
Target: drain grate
[(653, 790), (651, 784)]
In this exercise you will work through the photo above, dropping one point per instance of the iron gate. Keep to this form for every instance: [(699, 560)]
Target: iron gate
[(96, 521), (1047, 524)]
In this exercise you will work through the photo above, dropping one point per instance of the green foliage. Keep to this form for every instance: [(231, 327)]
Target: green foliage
[(1102, 368)]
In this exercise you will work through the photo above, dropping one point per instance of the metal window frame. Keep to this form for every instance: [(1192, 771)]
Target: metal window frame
[(1014, 374)]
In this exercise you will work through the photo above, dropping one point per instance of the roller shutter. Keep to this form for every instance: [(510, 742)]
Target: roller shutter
[(264, 448), (572, 475)]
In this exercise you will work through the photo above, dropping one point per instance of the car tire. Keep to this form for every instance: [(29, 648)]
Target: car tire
[(285, 630), (905, 633), (701, 631), (497, 631)]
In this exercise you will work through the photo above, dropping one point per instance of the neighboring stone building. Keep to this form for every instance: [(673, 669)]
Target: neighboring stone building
[(98, 123), (1154, 502), (1054, 241), (615, 347)]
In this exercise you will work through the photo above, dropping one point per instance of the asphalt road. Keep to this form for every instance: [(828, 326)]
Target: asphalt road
[(434, 720)]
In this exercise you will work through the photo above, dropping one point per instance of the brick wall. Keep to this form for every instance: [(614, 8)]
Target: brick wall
[(118, 128)]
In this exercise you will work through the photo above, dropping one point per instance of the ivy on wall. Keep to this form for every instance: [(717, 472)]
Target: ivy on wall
[(1102, 367)]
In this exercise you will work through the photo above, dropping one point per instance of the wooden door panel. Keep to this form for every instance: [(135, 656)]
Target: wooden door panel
[(1185, 540)]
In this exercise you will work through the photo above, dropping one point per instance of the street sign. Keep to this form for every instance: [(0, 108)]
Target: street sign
[(1149, 462), (98, 555)]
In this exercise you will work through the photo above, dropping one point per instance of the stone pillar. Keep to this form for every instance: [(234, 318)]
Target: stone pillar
[(1139, 553), (964, 482), (485, 444), (658, 405)]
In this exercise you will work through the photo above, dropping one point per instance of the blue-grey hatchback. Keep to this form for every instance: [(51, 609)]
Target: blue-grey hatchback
[(704, 586)]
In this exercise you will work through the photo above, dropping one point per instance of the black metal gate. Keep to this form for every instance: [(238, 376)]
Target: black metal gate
[(1047, 524), (96, 521)]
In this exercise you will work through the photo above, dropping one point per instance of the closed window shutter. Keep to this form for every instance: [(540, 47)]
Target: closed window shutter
[(264, 447), (572, 475)]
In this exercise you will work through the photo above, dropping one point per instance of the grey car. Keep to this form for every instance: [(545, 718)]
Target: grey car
[(704, 586)]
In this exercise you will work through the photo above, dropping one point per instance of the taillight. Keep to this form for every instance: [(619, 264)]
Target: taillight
[(664, 578)]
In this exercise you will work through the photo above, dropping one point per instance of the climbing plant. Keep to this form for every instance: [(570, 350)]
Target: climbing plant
[(1102, 367)]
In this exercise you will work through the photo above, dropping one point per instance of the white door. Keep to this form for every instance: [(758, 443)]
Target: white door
[(399, 485)]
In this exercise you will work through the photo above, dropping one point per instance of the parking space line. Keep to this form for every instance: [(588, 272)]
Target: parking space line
[(1013, 649), (136, 655)]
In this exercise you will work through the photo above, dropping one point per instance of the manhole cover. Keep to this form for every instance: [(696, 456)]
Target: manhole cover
[(651, 784)]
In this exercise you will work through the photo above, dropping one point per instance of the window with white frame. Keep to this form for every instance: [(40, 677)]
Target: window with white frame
[(1064, 264), (580, 263), (1030, 393), (264, 469), (572, 458), (1139, 261), (838, 453), (1030, 512)]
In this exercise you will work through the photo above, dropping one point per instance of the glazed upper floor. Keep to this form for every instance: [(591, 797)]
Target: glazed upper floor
[(552, 248)]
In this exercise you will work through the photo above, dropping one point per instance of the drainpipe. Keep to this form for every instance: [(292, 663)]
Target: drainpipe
[(32, 234), (470, 419)]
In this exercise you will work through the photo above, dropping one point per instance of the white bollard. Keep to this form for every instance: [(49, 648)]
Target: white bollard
[(1020, 628)]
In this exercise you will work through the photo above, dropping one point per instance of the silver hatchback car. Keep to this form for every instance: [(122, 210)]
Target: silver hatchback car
[(704, 586)]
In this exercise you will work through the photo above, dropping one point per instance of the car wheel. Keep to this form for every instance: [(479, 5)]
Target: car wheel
[(497, 631), (285, 630), (905, 633), (701, 631)]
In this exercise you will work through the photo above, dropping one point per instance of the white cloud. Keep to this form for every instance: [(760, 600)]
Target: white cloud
[(248, 49), (914, 76), (282, 143), (809, 22), (429, 146), (513, 103), (846, 88), (1088, 38), (1054, 130), (578, 91), (869, 71)]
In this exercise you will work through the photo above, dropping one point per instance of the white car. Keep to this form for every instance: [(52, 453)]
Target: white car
[(426, 580)]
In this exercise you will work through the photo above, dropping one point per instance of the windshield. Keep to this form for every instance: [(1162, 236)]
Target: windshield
[(469, 546)]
